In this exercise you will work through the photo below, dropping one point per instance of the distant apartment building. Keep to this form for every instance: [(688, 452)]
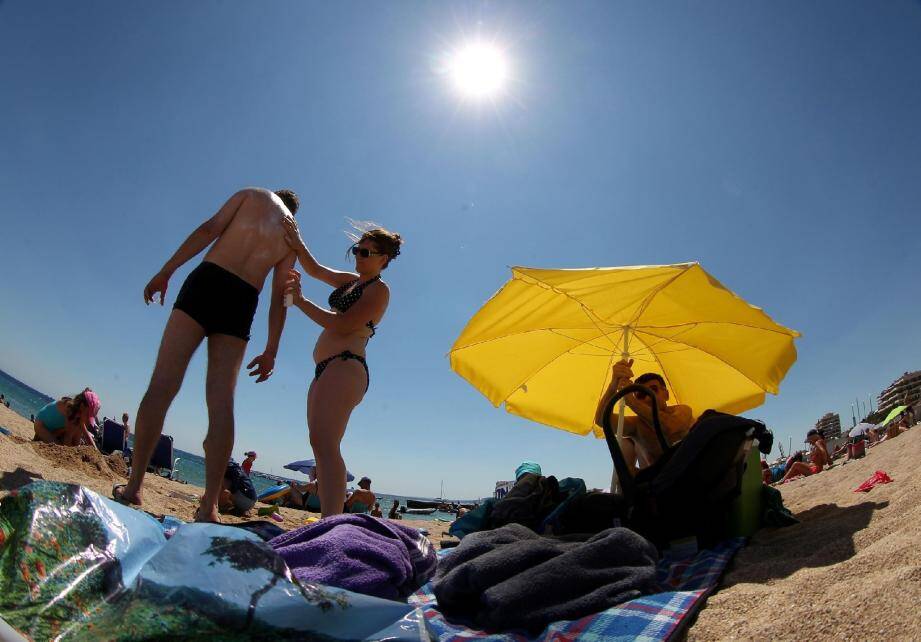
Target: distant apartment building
[(829, 425), (906, 390)]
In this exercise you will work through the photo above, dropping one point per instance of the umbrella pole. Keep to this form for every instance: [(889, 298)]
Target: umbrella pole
[(615, 485)]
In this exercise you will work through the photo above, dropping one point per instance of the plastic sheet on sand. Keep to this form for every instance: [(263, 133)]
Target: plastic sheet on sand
[(77, 566)]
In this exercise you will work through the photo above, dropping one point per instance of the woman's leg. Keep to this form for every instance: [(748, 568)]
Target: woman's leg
[(330, 401), (798, 468), (42, 433)]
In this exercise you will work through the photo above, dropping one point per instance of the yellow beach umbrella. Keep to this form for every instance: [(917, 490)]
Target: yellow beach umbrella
[(545, 343)]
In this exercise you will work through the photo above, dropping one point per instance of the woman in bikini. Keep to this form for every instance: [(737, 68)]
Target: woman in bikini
[(341, 377), (68, 421)]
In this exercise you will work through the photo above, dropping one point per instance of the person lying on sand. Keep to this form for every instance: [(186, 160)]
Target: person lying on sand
[(218, 300), (70, 421), (819, 458), (639, 442)]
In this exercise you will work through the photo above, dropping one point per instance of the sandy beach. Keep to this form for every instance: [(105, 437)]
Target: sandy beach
[(850, 570), (22, 460)]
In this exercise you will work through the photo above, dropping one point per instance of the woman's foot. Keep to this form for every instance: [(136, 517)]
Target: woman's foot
[(122, 497)]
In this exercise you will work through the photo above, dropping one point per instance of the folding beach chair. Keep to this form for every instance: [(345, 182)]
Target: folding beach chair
[(163, 454), (114, 437), (690, 490)]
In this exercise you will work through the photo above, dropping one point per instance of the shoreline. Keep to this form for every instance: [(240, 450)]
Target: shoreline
[(22, 460)]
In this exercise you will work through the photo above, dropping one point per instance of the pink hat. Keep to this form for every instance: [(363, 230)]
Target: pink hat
[(93, 403)]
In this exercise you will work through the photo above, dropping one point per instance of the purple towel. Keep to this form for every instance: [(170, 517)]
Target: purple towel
[(359, 553)]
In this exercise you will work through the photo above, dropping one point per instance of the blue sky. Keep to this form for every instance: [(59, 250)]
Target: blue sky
[(777, 143)]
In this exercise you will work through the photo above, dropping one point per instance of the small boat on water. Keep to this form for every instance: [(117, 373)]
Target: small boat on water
[(418, 503), (418, 511)]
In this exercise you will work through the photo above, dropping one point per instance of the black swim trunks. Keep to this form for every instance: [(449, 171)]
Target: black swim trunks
[(219, 300)]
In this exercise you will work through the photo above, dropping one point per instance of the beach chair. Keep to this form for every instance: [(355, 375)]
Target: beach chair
[(114, 437), (163, 455), (690, 490)]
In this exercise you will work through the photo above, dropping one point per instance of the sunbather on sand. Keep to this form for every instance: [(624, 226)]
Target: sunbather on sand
[(362, 499), (639, 442), (218, 300), (341, 376), (819, 458), (70, 421)]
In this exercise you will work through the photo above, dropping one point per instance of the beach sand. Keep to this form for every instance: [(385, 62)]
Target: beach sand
[(850, 570), (22, 460)]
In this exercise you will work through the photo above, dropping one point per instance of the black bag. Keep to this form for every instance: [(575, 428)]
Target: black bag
[(529, 501)]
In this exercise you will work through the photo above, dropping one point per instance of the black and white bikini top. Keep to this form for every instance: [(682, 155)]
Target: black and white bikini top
[(341, 300)]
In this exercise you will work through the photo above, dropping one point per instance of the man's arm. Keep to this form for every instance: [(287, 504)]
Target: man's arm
[(264, 364), (202, 237), (621, 377), (674, 420)]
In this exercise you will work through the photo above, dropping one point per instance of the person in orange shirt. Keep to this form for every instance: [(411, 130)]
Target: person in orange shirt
[(247, 464)]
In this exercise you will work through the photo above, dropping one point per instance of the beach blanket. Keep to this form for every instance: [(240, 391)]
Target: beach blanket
[(683, 584), (359, 553), (77, 566), (511, 577)]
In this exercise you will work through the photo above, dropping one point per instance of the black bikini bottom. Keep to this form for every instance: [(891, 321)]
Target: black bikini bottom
[(345, 355)]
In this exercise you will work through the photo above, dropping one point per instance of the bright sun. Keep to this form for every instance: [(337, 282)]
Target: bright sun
[(479, 70)]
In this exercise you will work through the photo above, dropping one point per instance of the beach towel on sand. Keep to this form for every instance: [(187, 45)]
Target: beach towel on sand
[(359, 553), (513, 578), (683, 584)]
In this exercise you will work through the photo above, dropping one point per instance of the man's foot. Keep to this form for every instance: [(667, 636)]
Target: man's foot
[(119, 495), (206, 517)]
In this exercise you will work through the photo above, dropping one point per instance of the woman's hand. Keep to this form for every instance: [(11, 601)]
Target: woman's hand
[(293, 235), (293, 286)]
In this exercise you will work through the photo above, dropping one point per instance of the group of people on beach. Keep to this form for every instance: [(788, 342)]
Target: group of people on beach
[(821, 457), (252, 234)]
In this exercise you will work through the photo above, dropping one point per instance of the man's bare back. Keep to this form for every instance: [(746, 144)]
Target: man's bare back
[(254, 240)]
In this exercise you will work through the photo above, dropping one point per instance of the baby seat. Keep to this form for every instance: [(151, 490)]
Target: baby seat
[(689, 491)]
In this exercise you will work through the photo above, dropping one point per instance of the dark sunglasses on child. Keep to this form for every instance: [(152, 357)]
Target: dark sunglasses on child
[(364, 252)]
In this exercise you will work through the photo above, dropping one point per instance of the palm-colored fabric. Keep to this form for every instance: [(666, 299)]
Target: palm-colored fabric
[(545, 343)]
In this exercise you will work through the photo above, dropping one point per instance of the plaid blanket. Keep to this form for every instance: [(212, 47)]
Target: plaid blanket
[(685, 583)]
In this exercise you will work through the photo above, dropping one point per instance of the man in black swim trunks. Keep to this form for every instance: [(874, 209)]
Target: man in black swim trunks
[(217, 301)]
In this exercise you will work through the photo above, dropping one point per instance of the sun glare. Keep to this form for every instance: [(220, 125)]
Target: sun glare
[(479, 70)]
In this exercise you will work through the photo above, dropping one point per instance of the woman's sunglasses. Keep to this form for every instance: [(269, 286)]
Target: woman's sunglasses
[(364, 252)]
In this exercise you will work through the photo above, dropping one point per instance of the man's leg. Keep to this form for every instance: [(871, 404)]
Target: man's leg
[(225, 354), (181, 338)]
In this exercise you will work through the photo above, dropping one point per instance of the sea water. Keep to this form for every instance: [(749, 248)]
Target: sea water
[(190, 468)]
